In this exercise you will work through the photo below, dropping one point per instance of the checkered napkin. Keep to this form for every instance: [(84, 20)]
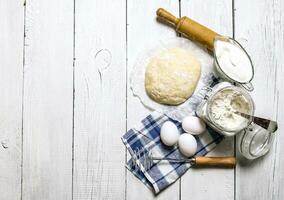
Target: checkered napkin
[(145, 136)]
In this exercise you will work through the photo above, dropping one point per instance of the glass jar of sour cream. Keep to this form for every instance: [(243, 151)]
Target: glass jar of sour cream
[(220, 108), (232, 62)]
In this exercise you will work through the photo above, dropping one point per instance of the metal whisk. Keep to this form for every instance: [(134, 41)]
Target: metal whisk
[(143, 160)]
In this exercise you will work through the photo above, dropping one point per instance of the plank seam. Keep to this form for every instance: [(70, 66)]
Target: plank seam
[(179, 35), (73, 103), (235, 138), (23, 94), (126, 95)]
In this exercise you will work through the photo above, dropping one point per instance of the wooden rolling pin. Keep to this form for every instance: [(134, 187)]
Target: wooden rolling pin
[(229, 162), (190, 28)]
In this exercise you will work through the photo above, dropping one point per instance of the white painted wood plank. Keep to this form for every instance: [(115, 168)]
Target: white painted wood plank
[(143, 31), (48, 100), (210, 183), (11, 73), (261, 23), (100, 99)]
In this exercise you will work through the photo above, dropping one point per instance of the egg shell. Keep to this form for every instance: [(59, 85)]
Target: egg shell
[(187, 145), (193, 125), (169, 133)]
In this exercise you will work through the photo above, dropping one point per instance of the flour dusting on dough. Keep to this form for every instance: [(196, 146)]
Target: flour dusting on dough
[(172, 76)]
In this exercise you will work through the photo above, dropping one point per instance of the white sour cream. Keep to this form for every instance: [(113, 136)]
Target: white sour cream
[(233, 61)]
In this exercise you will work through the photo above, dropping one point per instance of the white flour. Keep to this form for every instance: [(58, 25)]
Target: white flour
[(223, 108)]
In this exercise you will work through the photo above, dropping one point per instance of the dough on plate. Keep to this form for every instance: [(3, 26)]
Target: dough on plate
[(172, 76)]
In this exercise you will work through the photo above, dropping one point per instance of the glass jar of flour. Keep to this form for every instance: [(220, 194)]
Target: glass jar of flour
[(220, 106)]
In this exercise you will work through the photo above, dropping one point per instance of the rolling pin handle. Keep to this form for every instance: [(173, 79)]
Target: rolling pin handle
[(168, 16), (190, 28)]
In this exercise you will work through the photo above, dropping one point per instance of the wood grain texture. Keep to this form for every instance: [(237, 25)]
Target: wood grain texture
[(210, 183), (11, 80), (144, 32), (260, 26), (37, 98), (100, 99), (48, 100)]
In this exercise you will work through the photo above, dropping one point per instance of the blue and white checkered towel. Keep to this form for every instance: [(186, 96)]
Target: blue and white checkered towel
[(146, 137)]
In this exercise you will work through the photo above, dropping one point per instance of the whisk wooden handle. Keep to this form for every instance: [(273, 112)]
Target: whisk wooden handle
[(190, 28), (229, 162)]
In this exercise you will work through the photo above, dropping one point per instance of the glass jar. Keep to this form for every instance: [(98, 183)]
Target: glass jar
[(226, 121), (219, 68), (255, 141)]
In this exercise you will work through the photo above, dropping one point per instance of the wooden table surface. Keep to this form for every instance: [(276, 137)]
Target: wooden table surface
[(65, 98)]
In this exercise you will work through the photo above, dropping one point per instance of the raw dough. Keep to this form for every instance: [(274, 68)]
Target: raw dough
[(172, 76)]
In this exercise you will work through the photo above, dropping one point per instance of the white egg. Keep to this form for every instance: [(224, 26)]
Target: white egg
[(187, 145), (169, 133), (193, 125)]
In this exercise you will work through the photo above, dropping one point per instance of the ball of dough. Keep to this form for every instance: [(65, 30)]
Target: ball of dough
[(172, 76)]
